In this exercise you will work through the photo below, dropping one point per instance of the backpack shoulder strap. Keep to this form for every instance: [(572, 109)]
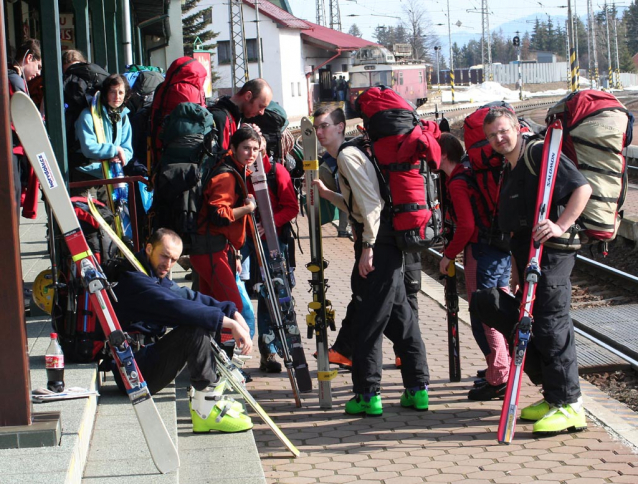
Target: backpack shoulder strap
[(271, 178), (527, 154)]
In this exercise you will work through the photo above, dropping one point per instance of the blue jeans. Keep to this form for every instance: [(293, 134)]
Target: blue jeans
[(493, 268)]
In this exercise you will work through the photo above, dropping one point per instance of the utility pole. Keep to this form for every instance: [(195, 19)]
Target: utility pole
[(335, 15), (486, 48), (449, 34), (610, 72), (618, 85), (238, 58), (321, 13), (259, 66), (592, 28), (573, 61)]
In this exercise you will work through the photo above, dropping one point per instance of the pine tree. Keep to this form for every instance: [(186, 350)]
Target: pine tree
[(195, 26), (354, 30), (630, 21)]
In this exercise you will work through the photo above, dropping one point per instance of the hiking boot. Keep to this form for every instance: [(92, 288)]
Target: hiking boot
[(418, 399), (269, 364), (487, 392), (210, 411), (344, 233), (397, 362), (480, 382), (535, 411), (481, 373), (360, 404), (565, 417)]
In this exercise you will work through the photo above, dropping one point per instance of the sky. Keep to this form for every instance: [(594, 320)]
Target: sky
[(370, 13)]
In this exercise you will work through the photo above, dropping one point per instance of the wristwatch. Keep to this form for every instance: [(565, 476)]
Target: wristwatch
[(368, 245)]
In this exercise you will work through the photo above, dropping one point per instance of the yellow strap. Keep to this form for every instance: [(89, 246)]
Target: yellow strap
[(82, 255), (310, 164), (326, 375)]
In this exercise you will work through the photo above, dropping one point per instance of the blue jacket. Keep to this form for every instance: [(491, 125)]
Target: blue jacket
[(160, 302), (91, 149)]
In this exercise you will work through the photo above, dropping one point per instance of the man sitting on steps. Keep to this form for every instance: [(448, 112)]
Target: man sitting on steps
[(194, 318)]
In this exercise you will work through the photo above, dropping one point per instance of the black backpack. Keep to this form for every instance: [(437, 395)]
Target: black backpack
[(272, 124), (143, 90)]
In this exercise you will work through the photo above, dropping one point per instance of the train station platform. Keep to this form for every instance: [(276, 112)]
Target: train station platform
[(452, 442)]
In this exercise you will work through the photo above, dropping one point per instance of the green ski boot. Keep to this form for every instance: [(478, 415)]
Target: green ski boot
[(361, 404), (416, 398)]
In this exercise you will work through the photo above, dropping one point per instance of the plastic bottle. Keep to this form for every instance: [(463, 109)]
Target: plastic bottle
[(55, 365)]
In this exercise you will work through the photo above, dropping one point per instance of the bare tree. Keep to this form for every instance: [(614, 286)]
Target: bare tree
[(420, 31)]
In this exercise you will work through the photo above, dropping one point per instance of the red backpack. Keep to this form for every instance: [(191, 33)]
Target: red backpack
[(406, 151), (184, 83)]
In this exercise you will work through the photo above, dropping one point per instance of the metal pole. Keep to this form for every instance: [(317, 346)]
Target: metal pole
[(449, 34), (610, 72), (258, 39), (572, 52), (126, 33), (593, 44), (575, 30), (438, 75), (590, 70), (618, 85), (569, 73)]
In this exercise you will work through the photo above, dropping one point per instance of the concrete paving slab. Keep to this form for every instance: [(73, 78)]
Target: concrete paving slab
[(454, 441)]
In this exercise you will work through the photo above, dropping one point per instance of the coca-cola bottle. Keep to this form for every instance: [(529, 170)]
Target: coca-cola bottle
[(54, 360)]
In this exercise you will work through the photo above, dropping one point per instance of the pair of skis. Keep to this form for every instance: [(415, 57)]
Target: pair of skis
[(281, 305), (225, 367), (321, 315), (547, 178), (33, 136)]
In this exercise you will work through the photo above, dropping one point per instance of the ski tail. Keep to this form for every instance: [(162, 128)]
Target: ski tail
[(234, 378), (547, 179), (452, 303)]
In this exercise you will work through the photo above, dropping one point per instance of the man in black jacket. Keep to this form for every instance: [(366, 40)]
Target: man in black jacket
[(194, 319)]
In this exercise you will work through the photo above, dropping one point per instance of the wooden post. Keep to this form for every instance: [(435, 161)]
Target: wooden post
[(15, 403)]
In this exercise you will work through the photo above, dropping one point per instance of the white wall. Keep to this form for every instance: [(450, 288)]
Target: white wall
[(282, 58)]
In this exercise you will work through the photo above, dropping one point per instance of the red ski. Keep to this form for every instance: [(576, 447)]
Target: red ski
[(547, 177), (34, 138)]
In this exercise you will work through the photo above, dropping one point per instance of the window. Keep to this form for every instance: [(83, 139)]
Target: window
[(223, 52), (359, 79), (252, 52), (381, 78), (400, 78), (420, 77), (299, 89), (344, 67), (292, 89)]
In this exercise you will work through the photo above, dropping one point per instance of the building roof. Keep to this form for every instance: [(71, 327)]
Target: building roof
[(278, 15), (332, 39)]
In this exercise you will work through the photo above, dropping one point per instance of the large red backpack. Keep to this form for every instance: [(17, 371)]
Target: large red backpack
[(596, 129), (406, 152), (184, 83)]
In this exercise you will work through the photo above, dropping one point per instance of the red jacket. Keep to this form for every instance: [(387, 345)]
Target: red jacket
[(465, 207)]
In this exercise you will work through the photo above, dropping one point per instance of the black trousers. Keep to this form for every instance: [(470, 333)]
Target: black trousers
[(412, 280), (551, 354), (381, 306), (162, 361)]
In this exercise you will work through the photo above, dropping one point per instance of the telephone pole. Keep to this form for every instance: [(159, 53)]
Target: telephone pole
[(335, 15), (610, 72), (618, 85)]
